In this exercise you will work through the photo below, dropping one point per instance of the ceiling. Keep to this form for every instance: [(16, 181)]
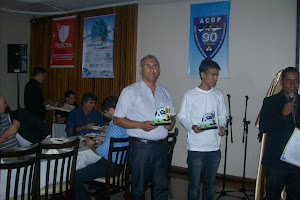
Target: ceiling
[(53, 7)]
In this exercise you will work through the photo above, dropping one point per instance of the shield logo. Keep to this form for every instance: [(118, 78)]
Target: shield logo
[(209, 34), (63, 32)]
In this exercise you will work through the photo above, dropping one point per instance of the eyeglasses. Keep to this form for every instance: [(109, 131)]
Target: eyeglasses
[(148, 66)]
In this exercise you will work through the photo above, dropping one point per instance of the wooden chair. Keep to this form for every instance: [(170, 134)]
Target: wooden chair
[(116, 178), (60, 169), (21, 167), (172, 139)]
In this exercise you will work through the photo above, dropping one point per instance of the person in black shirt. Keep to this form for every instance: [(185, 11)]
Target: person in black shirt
[(33, 95), (279, 116)]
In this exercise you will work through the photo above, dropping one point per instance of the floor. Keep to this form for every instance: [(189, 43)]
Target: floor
[(180, 186)]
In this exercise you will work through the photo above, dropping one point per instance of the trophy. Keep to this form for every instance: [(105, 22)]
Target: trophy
[(162, 116), (208, 122)]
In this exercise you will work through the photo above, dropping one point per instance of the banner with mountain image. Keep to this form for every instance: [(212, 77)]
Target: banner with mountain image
[(209, 36), (97, 52), (63, 42)]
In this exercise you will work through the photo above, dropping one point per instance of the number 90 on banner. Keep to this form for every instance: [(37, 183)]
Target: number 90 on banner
[(209, 37)]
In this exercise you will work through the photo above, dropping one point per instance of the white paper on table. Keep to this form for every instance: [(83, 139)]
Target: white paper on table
[(291, 152)]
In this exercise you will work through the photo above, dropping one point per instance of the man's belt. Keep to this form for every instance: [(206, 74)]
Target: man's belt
[(148, 141)]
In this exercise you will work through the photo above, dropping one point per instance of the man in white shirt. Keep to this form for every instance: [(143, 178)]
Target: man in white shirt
[(203, 114), (148, 148)]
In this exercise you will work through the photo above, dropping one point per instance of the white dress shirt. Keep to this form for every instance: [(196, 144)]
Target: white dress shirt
[(137, 103)]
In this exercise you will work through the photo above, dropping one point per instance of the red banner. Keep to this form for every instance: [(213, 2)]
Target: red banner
[(63, 42)]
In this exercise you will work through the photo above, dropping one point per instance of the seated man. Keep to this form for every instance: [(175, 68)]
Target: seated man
[(61, 116), (98, 169), (8, 130), (81, 119)]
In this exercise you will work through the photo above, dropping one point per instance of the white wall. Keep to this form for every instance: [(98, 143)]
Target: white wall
[(262, 40), (14, 29)]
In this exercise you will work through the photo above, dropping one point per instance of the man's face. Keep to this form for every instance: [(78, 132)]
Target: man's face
[(2, 104), (41, 78), (70, 99), (290, 83), (150, 70), (210, 78), (89, 105)]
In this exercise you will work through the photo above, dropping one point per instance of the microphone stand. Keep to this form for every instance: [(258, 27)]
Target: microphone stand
[(229, 121), (245, 140), (245, 137)]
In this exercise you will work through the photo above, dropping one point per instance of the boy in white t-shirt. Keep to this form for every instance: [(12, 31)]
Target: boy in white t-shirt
[(203, 114)]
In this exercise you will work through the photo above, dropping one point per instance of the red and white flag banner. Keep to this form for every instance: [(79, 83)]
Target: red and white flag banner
[(63, 42)]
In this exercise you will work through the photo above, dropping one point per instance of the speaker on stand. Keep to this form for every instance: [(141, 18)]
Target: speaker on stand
[(17, 62)]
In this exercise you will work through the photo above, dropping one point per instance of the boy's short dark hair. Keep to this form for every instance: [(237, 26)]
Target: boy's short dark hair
[(208, 64), (68, 93), (88, 96), (38, 70), (109, 102)]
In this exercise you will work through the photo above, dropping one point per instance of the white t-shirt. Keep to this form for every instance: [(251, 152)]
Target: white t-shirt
[(137, 103), (196, 106)]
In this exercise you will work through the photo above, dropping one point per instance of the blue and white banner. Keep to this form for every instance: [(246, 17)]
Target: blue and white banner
[(98, 42), (209, 36)]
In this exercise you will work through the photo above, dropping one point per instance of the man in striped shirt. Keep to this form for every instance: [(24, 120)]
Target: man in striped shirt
[(8, 130)]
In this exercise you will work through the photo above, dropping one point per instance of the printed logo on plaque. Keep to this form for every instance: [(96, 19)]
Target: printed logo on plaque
[(209, 34)]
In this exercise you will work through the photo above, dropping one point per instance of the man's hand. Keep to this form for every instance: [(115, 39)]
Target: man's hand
[(196, 129), (48, 108), (13, 129), (148, 126), (169, 127), (287, 109), (90, 143), (87, 126), (221, 131), (104, 128), (173, 121), (99, 139)]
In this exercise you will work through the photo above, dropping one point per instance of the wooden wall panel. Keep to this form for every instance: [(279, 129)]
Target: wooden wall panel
[(59, 80)]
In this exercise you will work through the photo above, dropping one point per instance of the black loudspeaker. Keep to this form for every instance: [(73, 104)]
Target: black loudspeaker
[(17, 58)]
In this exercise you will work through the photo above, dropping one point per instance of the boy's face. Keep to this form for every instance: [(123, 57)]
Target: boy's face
[(210, 78)]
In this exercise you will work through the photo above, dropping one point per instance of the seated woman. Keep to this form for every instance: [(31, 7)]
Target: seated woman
[(61, 116)]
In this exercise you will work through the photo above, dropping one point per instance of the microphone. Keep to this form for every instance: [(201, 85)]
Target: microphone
[(291, 97)]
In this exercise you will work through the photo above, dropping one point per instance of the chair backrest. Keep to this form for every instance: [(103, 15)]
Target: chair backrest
[(59, 130), (59, 167), (116, 170), (172, 139), (20, 168)]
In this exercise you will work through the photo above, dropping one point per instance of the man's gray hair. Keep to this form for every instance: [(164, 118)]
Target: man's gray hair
[(146, 57)]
